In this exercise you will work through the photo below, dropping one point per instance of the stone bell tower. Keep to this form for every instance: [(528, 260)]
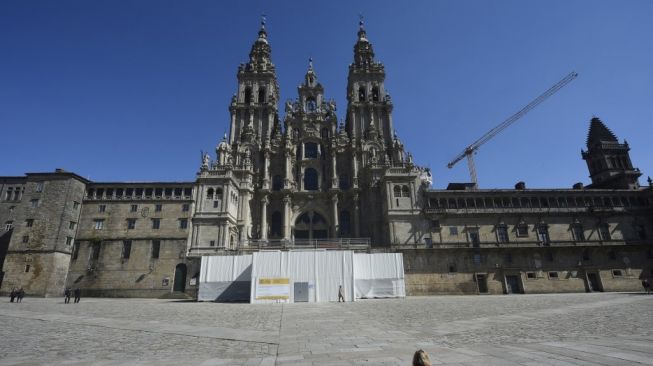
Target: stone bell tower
[(608, 160)]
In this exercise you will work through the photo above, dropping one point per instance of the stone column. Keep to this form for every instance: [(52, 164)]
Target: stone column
[(334, 209), (355, 177), (264, 219), (288, 177), (356, 217), (286, 217), (266, 170), (232, 131), (334, 179), (246, 216)]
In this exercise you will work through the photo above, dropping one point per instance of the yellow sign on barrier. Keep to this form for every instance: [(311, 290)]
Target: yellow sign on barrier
[(273, 289)]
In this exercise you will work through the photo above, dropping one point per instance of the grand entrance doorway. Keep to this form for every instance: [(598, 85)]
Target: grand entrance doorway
[(593, 282), (311, 225)]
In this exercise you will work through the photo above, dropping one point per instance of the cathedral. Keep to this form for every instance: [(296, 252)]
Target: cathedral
[(308, 181)]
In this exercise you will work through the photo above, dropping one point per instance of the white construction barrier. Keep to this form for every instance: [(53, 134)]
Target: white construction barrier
[(301, 276), (379, 275), (225, 278)]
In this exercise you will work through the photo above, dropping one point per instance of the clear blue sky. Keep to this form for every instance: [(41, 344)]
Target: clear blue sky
[(133, 90)]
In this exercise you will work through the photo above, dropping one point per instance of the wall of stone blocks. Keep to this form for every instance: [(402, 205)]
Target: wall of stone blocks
[(138, 276), (453, 271)]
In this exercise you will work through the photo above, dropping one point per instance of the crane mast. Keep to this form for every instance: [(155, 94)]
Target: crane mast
[(470, 150)]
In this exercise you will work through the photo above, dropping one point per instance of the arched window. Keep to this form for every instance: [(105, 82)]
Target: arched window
[(345, 223), (248, 95), (375, 93), (405, 192), (397, 191), (261, 95), (324, 133), (276, 224), (310, 179), (310, 150), (311, 105), (218, 193), (361, 94), (209, 193)]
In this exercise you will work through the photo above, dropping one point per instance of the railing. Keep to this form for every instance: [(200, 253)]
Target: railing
[(358, 244), (468, 211), (521, 244)]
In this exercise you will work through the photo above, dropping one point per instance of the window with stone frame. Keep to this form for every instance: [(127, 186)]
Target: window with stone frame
[(75, 251), (397, 191), (405, 191), (98, 224), (474, 237), (158, 207), (502, 233), (185, 207), (156, 248), (310, 180), (277, 183), (9, 224), (522, 229), (126, 249), (101, 208), (29, 222), (578, 232), (604, 231), (156, 224), (310, 150), (133, 208), (183, 223), (543, 234), (131, 224)]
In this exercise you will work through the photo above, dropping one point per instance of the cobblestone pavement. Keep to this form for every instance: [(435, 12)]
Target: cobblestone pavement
[(554, 329)]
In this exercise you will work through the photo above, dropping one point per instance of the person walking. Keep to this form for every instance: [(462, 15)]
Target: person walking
[(12, 295), (20, 295), (341, 294), (78, 294), (647, 286), (66, 295)]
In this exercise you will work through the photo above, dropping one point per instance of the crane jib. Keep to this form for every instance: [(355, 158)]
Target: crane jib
[(469, 150)]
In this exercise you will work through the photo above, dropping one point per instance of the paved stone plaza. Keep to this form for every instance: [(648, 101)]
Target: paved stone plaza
[(552, 329)]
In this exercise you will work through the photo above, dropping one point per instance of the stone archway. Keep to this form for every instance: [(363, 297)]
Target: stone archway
[(311, 225)]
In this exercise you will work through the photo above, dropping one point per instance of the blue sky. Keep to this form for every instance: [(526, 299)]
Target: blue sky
[(133, 90)]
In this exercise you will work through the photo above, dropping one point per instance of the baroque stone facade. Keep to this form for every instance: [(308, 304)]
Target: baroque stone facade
[(308, 181)]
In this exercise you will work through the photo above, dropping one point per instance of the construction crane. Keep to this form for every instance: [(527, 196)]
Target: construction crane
[(471, 149)]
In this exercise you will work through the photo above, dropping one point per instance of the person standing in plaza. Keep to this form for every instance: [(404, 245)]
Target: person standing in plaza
[(341, 294), (20, 294), (12, 295), (66, 295), (646, 285), (78, 295)]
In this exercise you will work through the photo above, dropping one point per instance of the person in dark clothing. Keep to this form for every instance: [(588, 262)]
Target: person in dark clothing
[(341, 294), (66, 295), (12, 295), (78, 295), (20, 295), (646, 285)]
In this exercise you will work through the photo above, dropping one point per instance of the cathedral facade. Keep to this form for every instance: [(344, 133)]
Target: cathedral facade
[(308, 181)]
